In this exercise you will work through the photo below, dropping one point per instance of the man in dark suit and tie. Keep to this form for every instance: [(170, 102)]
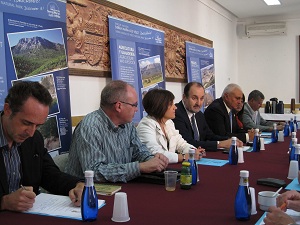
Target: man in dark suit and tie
[(190, 121), (220, 114)]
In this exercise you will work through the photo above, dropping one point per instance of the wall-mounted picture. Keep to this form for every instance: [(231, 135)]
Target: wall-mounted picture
[(48, 82), (208, 76), (37, 52), (50, 133), (209, 95), (151, 71)]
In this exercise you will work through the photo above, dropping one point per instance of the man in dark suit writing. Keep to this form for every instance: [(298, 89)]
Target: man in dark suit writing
[(220, 114), (190, 121)]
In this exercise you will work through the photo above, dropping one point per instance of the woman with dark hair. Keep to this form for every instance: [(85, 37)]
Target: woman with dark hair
[(157, 130)]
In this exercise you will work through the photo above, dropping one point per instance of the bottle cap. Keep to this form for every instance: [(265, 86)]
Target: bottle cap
[(244, 173), (256, 130), (89, 173), (186, 163), (191, 150), (233, 138)]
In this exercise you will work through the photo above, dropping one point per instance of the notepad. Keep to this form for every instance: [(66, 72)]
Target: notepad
[(107, 189), (58, 206)]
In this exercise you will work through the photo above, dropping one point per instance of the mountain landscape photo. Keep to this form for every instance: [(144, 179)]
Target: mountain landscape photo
[(37, 55)]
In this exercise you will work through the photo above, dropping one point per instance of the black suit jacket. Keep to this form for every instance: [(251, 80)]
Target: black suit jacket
[(218, 120), (38, 169), (208, 139)]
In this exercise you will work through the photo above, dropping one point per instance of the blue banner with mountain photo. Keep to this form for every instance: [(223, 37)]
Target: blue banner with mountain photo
[(200, 68), (33, 49), (137, 57)]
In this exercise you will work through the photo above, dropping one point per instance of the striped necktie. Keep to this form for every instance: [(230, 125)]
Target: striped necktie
[(230, 117), (194, 127)]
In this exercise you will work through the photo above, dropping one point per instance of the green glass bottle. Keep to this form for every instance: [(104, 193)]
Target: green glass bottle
[(186, 176)]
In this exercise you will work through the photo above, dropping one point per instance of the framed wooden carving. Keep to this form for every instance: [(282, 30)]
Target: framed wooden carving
[(88, 41)]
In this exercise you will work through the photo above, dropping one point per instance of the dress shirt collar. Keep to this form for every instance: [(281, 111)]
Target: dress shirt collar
[(251, 110), (228, 109), (3, 141), (110, 124), (190, 114)]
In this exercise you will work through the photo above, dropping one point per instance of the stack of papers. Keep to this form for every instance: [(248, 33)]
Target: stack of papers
[(58, 206), (266, 134)]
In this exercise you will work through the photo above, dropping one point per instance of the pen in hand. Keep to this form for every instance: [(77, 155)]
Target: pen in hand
[(24, 188), (283, 206)]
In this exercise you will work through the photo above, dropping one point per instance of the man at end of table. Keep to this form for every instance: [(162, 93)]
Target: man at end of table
[(251, 115), (25, 163)]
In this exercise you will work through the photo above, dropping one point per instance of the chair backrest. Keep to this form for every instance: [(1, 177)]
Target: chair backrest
[(61, 160)]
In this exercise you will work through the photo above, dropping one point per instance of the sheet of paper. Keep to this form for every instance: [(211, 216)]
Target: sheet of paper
[(295, 215), (267, 141), (294, 185), (58, 206), (212, 162)]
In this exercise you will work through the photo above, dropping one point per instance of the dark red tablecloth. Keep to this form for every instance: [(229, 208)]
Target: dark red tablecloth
[(211, 201)]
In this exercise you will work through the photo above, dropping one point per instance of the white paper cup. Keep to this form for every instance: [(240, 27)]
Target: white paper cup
[(280, 136), (262, 143), (293, 169), (241, 155), (253, 201), (266, 199), (120, 211)]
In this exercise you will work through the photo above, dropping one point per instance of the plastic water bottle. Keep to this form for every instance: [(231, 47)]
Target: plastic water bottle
[(295, 124), (274, 135), (233, 152), (89, 200), (292, 128), (193, 166), (242, 204), (286, 131), (293, 155), (256, 141)]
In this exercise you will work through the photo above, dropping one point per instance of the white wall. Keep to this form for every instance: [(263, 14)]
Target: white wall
[(201, 17), (271, 63)]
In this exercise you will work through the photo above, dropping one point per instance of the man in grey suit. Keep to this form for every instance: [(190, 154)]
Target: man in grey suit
[(251, 116)]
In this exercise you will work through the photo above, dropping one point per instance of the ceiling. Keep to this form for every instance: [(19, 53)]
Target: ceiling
[(258, 8)]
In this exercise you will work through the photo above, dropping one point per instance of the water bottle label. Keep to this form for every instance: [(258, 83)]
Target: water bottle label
[(244, 181)]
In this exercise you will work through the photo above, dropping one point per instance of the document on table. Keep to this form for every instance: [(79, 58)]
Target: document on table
[(212, 162), (295, 215), (58, 206), (294, 185)]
